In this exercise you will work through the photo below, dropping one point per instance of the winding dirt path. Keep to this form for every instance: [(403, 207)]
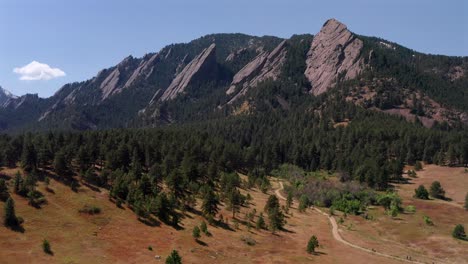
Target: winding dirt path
[(337, 236)]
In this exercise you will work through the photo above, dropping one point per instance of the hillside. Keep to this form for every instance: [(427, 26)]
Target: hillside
[(221, 75)]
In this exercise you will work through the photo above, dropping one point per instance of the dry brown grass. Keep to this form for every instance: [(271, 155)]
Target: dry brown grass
[(407, 234), (116, 236)]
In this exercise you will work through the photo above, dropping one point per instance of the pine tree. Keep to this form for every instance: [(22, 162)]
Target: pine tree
[(234, 199), (289, 199), (196, 232), (29, 157), (210, 203), (174, 258), (18, 182), (459, 232), (60, 164), (204, 227), (466, 201), (421, 193), (10, 219), (3, 190), (436, 190), (418, 166), (260, 222), (312, 244), (46, 247)]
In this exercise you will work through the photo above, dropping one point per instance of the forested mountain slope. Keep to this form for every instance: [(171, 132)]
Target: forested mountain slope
[(228, 74)]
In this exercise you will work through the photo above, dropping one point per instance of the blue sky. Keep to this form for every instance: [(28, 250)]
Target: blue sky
[(78, 38)]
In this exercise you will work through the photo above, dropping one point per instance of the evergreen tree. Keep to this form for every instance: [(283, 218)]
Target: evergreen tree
[(303, 203), (18, 182), (312, 244), (436, 190), (174, 258), (210, 203), (234, 200), (466, 201), (459, 232), (418, 166), (289, 199), (46, 247), (3, 190), (196, 232), (260, 222), (60, 164), (204, 227), (10, 219), (29, 157), (275, 215), (421, 193)]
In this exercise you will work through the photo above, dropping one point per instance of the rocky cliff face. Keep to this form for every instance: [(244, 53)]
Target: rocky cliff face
[(5, 96), (203, 64), (267, 65), (125, 74), (17, 102), (334, 51)]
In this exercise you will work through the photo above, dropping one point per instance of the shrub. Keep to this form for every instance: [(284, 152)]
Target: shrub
[(428, 220), (90, 209), (347, 206), (248, 240), (410, 209)]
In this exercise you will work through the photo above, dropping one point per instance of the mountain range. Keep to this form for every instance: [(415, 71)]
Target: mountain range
[(221, 75)]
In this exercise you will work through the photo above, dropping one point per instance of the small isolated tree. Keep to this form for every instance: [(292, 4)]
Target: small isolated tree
[(196, 232), (459, 232), (421, 193), (428, 220), (260, 222), (436, 190), (174, 258), (10, 216), (466, 201), (418, 166), (312, 244), (46, 247), (303, 203), (289, 200), (204, 227), (3, 190)]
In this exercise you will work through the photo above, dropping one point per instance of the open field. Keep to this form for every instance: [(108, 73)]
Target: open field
[(116, 235), (408, 234)]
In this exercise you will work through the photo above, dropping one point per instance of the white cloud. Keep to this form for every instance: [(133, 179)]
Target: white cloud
[(38, 71)]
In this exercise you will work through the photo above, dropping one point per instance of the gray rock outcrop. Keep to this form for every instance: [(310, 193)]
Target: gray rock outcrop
[(203, 63), (334, 51), (266, 65)]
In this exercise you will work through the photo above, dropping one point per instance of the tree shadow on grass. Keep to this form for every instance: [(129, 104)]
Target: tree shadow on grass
[(287, 230), (17, 228), (318, 253), (150, 221), (201, 243)]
